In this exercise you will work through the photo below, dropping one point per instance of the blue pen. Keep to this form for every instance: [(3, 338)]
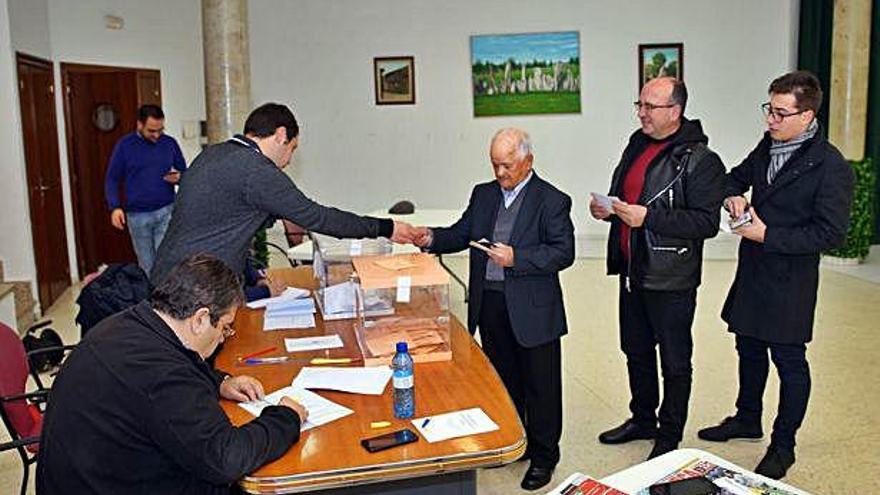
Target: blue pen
[(425, 422)]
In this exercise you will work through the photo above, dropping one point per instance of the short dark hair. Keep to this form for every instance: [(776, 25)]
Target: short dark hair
[(150, 111), (804, 85), (263, 121), (679, 94), (200, 281)]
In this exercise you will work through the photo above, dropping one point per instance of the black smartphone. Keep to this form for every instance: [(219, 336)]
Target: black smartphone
[(690, 486), (393, 439)]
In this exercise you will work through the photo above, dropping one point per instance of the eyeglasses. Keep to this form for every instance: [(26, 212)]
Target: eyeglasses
[(650, 107), (227, 330), (777, 115)]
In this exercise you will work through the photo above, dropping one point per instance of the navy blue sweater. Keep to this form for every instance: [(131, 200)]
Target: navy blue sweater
[(141, 164)]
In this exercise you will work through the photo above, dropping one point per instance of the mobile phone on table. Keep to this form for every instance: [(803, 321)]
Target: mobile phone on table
[(393, 439), (691, 486)]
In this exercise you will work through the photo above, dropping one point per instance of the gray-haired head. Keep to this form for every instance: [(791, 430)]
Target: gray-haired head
[(511, 155), (518, 137)]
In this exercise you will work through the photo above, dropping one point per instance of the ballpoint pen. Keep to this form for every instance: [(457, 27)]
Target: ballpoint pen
[(284, 359)]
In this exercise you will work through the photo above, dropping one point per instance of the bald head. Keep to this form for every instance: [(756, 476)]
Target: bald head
[(662, 104), (511, 155)]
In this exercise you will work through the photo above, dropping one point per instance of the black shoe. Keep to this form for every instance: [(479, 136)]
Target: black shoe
[(775, 463), (731, 427), (536, 477), (661, 447), (627, 432)]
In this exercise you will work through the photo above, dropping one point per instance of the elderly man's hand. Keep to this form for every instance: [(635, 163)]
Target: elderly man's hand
[(632, 215), (501, 253), (598, 212), (736, 206), (755, 230), (298, 408), (403, 233), (423, 237), (241, 388)]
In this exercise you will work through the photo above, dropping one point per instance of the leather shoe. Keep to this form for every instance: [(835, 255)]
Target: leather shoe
[(627, 432), (536, 477), (661, 447), (732, 427), (775, 463)]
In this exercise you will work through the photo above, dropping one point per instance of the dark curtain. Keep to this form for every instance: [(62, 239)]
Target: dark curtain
[(872, 143), (815, 33)]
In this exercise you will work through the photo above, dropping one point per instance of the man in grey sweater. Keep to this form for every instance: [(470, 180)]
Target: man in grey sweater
[(233, 188)]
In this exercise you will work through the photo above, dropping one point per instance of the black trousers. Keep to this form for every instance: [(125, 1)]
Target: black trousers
[(794, 387), (648, 320), (533, 377)]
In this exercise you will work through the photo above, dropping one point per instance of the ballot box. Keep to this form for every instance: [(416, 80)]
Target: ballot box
[(337, 292), (416, 289)]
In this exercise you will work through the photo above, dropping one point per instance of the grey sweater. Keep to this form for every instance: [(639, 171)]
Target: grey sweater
[(229, 191)]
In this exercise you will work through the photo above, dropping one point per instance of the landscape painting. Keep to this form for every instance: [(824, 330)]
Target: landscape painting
[(529, 73)]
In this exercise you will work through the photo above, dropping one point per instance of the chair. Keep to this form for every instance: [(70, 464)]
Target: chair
[(22, 412), (295, 236)]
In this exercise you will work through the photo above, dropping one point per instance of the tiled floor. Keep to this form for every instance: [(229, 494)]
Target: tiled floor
[(837, 452)]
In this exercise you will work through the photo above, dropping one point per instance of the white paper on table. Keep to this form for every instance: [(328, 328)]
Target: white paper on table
[(313, 343), (291, 307), (370, 380), (455, 424), (288, 294), (604, 201), (321, 411), (288, 321)]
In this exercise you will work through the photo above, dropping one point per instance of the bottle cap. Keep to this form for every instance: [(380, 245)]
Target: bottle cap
[(402, 347)]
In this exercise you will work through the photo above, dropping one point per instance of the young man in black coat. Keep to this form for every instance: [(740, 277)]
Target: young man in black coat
[(801, 190), (670, 186), (135, 408)]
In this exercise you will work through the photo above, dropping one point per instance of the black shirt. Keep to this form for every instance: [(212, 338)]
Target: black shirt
[(134, 411)]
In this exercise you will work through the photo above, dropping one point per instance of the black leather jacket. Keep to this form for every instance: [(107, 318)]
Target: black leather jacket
[(683, 191)]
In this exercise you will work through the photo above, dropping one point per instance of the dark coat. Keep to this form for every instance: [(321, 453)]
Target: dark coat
[(806, 210), (543, 245), (134, 411)]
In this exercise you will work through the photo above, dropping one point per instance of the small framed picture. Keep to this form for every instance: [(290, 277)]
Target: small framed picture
[(660, 60), (395, 80)]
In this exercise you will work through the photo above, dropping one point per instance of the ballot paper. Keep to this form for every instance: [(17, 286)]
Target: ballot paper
[(321, 411), (369, 380), (315, 343), (454, 424), (729, 225), (289, 293), (604, 201), (282, 322)]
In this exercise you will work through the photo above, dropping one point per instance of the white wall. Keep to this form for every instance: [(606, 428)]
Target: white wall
[(16, 245), (29, 27), (317, 56)]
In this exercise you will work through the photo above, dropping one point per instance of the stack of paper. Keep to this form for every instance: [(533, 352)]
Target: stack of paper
[(313, 343), (454, 424), (288, 294), (370, 380), (321, 411), (289, 313)]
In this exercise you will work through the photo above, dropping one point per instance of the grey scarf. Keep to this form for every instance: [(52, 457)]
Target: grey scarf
[(781, 151)]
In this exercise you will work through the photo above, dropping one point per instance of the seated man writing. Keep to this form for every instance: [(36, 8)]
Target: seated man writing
[(135, 407)]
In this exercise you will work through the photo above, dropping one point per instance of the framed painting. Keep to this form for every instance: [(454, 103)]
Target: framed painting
[(660, 60), (395, 80)]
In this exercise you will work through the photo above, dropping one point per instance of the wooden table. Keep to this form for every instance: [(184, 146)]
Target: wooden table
[(331, 457)]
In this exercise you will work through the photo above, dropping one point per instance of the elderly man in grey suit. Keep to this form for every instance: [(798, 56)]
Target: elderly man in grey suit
[(515, 295)]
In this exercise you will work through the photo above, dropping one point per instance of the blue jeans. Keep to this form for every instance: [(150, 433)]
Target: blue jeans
[(147, 228)]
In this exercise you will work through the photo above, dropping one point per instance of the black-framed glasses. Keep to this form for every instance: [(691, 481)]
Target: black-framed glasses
[(650, 107), (778, 116), (227, 330)]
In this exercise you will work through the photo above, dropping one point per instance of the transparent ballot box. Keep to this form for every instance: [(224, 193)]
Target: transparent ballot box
[(416, 288), (331, 261)]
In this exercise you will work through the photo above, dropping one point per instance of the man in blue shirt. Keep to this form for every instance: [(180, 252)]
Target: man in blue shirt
[(149, 164)]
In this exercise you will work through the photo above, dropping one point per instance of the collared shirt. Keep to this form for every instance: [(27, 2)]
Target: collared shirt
[(511, 195)]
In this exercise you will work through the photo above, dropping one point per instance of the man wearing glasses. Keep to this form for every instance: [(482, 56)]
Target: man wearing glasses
[(135, 407), (670, 188), (801, 189)]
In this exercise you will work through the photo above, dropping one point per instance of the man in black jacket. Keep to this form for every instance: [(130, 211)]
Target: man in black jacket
[(801, 192), (135, 407), (234, 188), (515, 296), (670, 187)]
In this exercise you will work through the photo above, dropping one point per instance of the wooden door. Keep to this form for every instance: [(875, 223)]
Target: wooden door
[(100, 107), (40, 132)]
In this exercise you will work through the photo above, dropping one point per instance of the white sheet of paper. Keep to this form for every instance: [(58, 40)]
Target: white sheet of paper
[(404, 286), (605, 201), (339, 298), (321, 411), (288, 321), (291, 307), (455, 424), (369, 381), (313, 343), (289, 293)]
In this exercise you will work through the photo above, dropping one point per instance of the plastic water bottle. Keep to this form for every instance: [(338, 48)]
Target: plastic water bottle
[(404, 386)]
